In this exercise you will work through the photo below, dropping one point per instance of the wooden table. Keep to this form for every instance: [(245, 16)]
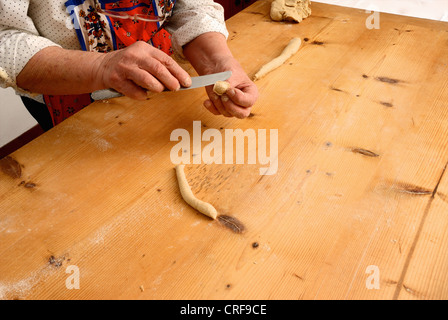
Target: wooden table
[(357, 210)]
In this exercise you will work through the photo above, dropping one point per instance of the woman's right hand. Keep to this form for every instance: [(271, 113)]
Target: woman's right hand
[(139, 68)]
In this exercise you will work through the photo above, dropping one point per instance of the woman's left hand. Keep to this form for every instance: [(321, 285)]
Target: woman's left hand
[(209, 53), (239, 98)]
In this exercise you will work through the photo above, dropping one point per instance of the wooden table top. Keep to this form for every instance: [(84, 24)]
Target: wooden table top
[(357, 209)]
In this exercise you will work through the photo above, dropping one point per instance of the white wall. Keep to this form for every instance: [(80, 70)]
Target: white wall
[(426, 9), (15, 119)]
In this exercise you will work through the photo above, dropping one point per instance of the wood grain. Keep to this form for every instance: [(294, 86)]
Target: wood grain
[(363, 124)]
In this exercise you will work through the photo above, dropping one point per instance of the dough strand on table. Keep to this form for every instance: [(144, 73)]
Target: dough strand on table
[(290, 49), (185, 190)]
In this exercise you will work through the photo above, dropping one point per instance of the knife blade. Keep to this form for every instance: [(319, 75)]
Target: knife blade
[(196, 82), (207, 80)]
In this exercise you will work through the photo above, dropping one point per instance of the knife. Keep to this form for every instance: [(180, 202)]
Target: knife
[(196, 82)]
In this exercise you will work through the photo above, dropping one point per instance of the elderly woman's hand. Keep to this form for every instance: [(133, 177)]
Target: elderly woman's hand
[(239, 99), (208, 54), (140, 68)]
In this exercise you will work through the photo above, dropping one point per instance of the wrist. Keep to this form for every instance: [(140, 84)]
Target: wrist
[(208, 52), (96, 70)]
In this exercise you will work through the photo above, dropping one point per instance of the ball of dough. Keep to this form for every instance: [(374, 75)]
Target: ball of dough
[(221, 87)]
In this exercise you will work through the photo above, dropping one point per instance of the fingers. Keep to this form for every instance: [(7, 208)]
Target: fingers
[(147, 67), (226, 107), (145, 80), (180, 74), (210, 107), (246, 98), (234, 103), (234, 109), (131, 90), (218, 104), (166, 71)]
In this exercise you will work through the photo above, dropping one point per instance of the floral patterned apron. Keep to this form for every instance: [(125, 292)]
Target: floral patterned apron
[(101, 26)]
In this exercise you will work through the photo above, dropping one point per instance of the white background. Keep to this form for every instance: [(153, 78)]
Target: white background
[(15, 119)]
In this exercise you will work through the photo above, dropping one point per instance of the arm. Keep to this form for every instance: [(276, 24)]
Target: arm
[(131, 71), (55, 70), (19, 41), (29, 62)]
